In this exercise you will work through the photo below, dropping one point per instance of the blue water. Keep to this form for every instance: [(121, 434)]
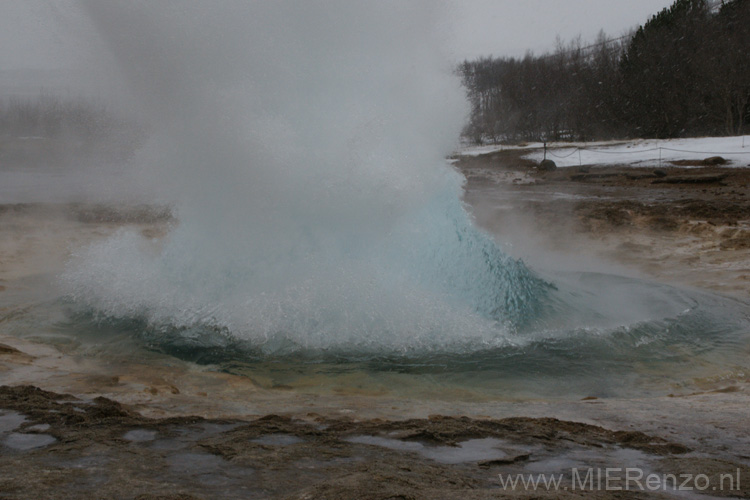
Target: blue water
[(655, 340)]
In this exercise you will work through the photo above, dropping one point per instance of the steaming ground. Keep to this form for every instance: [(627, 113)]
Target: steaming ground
[(692, 230)]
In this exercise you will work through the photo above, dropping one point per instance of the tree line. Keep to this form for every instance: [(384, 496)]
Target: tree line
[(48, 116), (48, 130), (685, 72)]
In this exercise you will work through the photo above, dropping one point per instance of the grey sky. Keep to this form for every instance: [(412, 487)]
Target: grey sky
[(511, 27), (46, 34)]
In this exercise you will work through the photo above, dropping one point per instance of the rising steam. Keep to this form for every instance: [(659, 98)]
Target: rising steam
[(303, 145)]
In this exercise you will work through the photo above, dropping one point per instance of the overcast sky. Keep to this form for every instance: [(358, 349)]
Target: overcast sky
[(511, 27), (35, 34)]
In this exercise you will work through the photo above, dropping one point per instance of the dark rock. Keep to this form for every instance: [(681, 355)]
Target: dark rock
[(714, 160), (692, 179), (635, 177), (586, 177), (6, 349), (485, 464), (547, 165), (177, 496), (660, 173), (665, 223)]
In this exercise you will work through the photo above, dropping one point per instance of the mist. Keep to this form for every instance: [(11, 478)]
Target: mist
[(303, 151)]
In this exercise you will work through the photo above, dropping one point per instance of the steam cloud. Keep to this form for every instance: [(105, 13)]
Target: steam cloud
[(303, 145)]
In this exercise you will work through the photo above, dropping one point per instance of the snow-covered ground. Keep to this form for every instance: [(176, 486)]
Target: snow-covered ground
[(637, 153), (480, 150)]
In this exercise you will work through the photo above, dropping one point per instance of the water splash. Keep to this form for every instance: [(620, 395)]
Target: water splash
[(303, 145)]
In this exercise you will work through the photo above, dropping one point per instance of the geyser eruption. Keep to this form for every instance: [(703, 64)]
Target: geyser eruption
[(303, 145)]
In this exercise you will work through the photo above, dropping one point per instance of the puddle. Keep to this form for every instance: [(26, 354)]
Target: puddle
[(473, 450), (168, 444), (24, 442), (591, 465), (140, 435), (391, 444), (278, 440), (206, 469), (10, 420), (194, 463), (586, 458)]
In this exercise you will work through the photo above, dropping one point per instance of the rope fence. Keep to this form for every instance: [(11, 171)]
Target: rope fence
[(579, 149), (576, 149)]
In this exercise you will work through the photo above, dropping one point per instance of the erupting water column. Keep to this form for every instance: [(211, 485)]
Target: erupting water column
[(303, 145)]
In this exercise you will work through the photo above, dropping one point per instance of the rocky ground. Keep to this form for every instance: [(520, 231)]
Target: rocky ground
[(60, 446)]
